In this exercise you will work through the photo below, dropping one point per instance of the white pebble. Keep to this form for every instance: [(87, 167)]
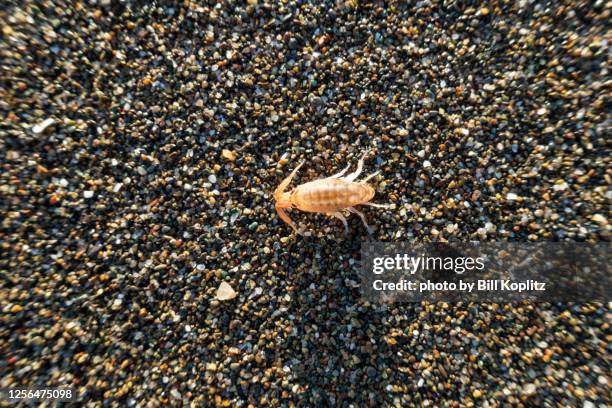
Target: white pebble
[(489, 87), (116, 304), (530, 389), (225, 292), (463, 131), (600, 219), (426, 164), (212, 178), (421, 153), (117, 187), (511, 197), (88, 193)]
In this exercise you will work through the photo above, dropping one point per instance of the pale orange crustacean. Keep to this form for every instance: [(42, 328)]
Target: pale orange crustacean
[(329, 195)]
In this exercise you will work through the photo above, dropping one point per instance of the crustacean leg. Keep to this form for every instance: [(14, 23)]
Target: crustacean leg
[(357, 172), (338, 175), (339, 216), (378, 205), (363, 219), (365, 180)]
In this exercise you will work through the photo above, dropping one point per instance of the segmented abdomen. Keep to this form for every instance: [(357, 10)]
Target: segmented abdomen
[(330, 195)]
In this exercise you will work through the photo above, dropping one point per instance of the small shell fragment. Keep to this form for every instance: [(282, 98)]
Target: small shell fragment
[(40, 127), (225, 292)]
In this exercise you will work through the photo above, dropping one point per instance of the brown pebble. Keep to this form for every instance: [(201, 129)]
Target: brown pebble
[(228, 154)]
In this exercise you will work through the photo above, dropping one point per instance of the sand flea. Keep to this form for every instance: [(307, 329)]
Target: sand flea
[(330, 196)]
